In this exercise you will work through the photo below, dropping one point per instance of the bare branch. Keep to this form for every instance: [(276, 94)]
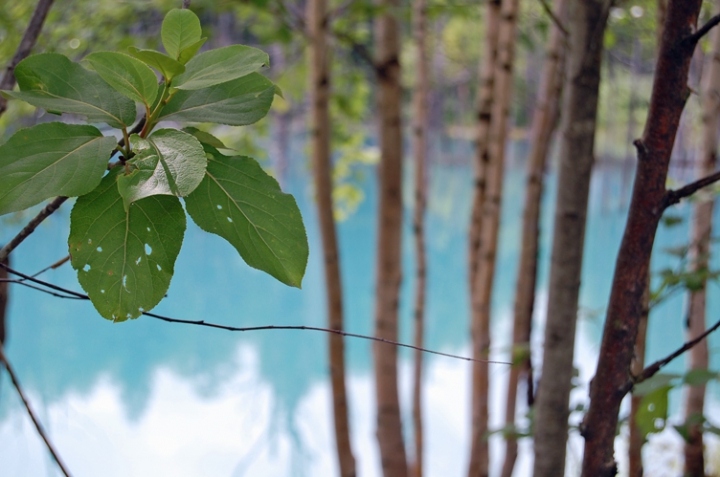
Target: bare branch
[(30, 412), (186, 4), (554, 17), (22, 282), (26, 45), (74, 294), (31, 226), (672, 197), (704, 30)]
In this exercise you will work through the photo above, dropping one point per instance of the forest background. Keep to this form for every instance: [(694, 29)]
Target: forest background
[(457, 39)]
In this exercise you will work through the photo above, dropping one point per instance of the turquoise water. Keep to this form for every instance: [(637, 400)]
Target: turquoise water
[(151, 398)]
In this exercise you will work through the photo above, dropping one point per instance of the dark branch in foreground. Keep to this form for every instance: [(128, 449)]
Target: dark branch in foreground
[(704, 30), (30, 412), (672, 197), (66, 293)]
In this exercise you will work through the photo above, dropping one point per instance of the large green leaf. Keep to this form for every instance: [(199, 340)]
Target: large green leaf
[(51, 159), (236, 103), (126, 74), (240, 202), (220, 66), (167, 66), (125, 258), (169, 162), (180, 31), (53, 82)]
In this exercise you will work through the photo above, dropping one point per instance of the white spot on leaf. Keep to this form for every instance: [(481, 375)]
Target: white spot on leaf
[(148, 249)]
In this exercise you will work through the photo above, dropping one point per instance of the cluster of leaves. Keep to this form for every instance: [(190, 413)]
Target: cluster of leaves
[(127, 225)]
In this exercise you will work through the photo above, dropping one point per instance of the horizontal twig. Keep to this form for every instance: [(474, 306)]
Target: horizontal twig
[(703, 30), (672, 197)]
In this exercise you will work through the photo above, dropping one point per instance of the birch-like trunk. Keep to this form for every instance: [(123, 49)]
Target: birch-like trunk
[(490, 224), (388, 273), (320, 133), (420, 132), (587, 20), (636, 439), (544, 123), (700, 254)]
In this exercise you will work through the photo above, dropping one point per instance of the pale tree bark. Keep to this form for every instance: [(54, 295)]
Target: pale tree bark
[(489, 227), (587, 20), (649, 199), (420, 132), (700, 255), (544, 123), (389, 255), (636, 439), (320, 133)]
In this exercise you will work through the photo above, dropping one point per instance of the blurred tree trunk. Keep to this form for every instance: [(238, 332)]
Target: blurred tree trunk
[(544, 123), (489, 227), (389, 255), (637, 440), (587, 20), (420, 132), (3, 299), (649, 200), (320, 146), (700, 254)]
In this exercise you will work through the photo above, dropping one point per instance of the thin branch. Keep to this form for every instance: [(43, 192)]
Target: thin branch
[(25, 47), (167, 319), (186, 4), (554, 17), (672, 197), (30, 412), (35, 287), (704, 30), (31, 226)]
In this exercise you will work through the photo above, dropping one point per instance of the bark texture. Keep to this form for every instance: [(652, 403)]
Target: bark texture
[(544, 122), (636, 440), (420, 132), (320, 149), (700, 255), (587, 21), (490, 222), (649, 199), (388, 272)]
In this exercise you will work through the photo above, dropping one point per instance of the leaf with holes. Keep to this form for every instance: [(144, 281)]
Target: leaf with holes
[(240, 202), (51, 159), (220, 66), (180, 30), (167, 66), (55, 83), (236, 103), (125, 258), (168, 162), (652, 414), (128, 75)]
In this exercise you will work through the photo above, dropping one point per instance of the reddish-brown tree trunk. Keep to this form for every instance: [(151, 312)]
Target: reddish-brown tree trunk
[(388, 273), (637, 440), (544, 122), (649, 199)]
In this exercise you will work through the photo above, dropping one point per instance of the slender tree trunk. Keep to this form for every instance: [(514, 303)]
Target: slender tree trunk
[(3, 300), (637, 440), (389, 431), (649, 199), (320, 145), (700, 249), (544, 121), (586, 26), (420, 131), (490, 224)]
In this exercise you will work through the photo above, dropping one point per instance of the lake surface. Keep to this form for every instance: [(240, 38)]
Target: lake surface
[(148, 398)]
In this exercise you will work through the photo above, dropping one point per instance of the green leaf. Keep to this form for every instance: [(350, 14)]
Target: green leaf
[(126, 74), (125, 258), (652, 414), (205, 138), (699, 377), (167, 66), (53, 82), (169, 162), (240, 202), (236, 103), (671, 220), (51, 159), (180, 30), (191, 50), (220, 66)]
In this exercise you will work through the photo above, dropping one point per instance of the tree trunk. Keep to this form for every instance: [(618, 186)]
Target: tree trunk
[(637, 440), (320, 150), (649, 199), (700, 250), (586, 27), (3, 300), (490, 222), (420, 131), (544, 121), (389, 255)]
